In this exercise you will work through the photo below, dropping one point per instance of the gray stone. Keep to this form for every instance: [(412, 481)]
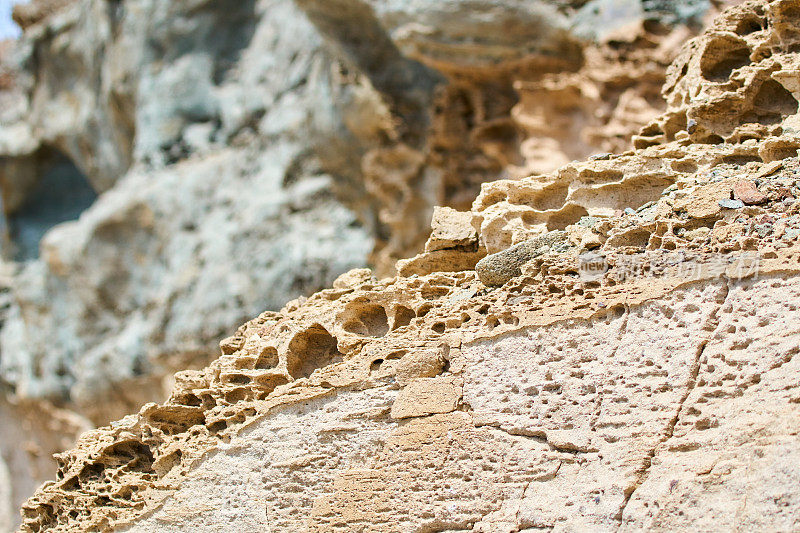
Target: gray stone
[(763, 229), (588, 221), (676, 11), (731, 204), (600, 19), (496, 269)]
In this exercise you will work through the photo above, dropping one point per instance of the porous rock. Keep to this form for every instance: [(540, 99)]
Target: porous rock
[(305, 397), (451, 229), (193, 159), (660, 395), (204, 203)]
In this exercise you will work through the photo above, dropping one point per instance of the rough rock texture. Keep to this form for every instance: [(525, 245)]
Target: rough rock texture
[(643, 376), (339, 149), (169, 169)]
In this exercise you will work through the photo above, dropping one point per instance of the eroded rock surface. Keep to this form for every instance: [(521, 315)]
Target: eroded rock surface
[(640, 376), (284, 129), (215, 159)]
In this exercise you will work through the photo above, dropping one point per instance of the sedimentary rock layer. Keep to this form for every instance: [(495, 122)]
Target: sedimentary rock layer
[(638, 372), (169, 170)]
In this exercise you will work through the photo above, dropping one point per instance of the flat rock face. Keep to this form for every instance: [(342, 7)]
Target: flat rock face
[(271, 474), (650, 402), (728, 461), (652, 417)]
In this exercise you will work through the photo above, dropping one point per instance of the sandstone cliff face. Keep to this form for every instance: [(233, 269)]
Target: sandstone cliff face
[(622, 358), (170, 169)]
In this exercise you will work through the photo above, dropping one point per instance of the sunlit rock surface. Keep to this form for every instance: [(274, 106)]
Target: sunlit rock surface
[(638, 372)]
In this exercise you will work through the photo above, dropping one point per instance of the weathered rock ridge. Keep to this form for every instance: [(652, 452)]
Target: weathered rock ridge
[(634, 369)]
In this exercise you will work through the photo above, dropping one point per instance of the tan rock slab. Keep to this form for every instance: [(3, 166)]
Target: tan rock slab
[(426, 396)]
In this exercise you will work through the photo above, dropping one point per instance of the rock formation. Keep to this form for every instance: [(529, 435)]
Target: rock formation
[(169, 170), (98, 106), (630, 365)]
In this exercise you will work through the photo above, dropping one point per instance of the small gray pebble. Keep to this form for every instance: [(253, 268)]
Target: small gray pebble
[(763, 229), (588, 221), (731, 204)]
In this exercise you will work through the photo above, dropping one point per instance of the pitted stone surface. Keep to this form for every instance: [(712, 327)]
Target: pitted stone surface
[(649, 396)]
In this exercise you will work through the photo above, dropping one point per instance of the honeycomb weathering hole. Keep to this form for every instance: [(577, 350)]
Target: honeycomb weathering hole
[(136, 455), (268, 358), (311, 349), (551, 197), (571, 214), (722, 56), (368, 320), (772, 97), (403, 316), (750, 24)]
